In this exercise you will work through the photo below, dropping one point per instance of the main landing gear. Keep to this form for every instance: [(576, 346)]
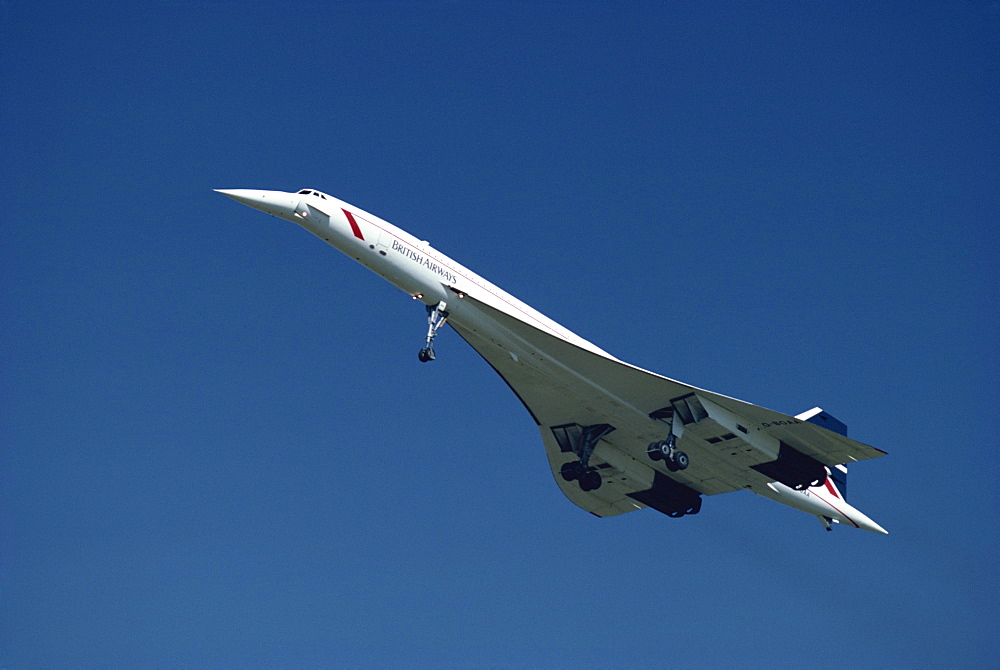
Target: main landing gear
[(589, 478), (436, 317), (583, 440), (667, 451)]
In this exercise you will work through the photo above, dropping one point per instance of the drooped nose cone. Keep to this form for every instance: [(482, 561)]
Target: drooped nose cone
[(277, 203)]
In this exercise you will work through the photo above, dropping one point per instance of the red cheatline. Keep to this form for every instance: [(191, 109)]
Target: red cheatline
[(354, 225)]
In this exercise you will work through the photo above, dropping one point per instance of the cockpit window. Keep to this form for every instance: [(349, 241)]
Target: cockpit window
[(307, 191)]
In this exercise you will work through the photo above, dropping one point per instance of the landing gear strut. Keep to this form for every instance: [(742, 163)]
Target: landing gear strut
[(436, 317)]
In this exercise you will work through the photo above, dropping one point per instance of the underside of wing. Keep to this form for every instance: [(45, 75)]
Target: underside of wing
[(573, 393)]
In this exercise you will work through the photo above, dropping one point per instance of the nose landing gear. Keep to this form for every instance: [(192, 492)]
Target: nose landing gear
[(436, 317)]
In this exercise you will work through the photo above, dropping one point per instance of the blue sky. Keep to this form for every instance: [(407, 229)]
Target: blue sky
[(219, 448)]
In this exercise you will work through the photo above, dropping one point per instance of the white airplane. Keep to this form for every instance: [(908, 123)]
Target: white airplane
[(618, 438)]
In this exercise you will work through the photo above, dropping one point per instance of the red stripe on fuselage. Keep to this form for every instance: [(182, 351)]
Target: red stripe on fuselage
[(834, 507), (354, 224), (829, 487)]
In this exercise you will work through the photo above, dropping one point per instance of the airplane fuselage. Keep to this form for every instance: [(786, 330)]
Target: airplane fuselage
[(441, 283), (410, 264)]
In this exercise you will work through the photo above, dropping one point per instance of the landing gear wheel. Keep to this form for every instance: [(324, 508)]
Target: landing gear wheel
[(590, 481), (680, 460), (572, 471), (426, 355), (666, 450), (653, 451)]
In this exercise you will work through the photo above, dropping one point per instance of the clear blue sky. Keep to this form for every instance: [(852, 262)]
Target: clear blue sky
[(219, 448)]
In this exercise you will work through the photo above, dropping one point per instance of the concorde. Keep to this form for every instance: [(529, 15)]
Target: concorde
[(618, 438)]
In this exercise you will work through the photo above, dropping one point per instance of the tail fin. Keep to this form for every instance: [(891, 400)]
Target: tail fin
[(820, 417)]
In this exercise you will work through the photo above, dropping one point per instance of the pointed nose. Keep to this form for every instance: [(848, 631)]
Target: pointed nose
[(244, 195), (866, 523), (277, 203)]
